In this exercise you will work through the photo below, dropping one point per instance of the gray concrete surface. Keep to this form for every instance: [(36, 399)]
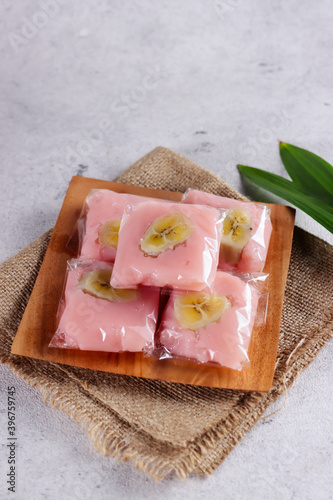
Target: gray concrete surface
[(89, 87)]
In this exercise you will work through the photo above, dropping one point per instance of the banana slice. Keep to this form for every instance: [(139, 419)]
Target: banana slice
[(166, 232), (199, 309), (97, 283), (235, 234), (108, 234)]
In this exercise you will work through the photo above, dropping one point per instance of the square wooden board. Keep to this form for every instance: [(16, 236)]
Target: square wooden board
[(39, 320)]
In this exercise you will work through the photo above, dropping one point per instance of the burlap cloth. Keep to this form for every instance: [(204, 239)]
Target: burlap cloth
[(164, 427)]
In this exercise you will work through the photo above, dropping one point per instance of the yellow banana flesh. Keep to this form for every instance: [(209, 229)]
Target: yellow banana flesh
[(235, 234), (97, 284), (198, 310), (165, 233), (108, 234)]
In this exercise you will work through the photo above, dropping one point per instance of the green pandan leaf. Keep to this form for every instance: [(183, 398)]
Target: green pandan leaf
[(318, 209), (308, 170)]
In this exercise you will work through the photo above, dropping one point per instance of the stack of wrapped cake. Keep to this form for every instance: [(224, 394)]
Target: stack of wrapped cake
[(203, 256)]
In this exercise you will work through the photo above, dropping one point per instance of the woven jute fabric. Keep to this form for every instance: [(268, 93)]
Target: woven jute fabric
[(163, 427)]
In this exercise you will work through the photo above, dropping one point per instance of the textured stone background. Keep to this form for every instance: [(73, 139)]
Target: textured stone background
[(87, 88)]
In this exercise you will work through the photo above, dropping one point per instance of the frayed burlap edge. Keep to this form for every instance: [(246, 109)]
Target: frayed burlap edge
[(124, 442), (203, 454)]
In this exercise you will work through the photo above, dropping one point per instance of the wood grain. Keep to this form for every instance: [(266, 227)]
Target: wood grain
[(39, 320)]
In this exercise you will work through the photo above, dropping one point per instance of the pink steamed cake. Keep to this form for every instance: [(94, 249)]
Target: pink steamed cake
[(190, 265), (254, 253), (225, 341), (103, 205), (95, 324)]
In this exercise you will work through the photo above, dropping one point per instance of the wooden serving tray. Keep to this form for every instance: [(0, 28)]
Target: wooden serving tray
[(39, 320)]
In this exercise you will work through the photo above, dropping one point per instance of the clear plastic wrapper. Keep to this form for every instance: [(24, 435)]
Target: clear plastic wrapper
[(99, 223), (246, 231), (215, 325), (164, 243), (93, 316)]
